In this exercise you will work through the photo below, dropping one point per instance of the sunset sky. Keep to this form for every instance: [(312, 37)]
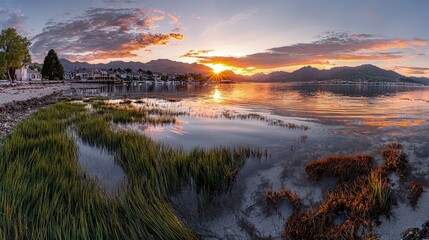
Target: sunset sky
[(246, 36)]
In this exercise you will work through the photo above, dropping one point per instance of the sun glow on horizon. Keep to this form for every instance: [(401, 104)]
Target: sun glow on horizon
[(218, 68)]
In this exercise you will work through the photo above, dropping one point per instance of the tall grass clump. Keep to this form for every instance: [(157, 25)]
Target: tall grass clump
[(45, 195), (126, 113), (414, 192)]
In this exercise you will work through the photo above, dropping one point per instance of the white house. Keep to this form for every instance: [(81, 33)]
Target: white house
[(27, 74), (34, 75), (157, 76), (95, 75), (82, 75), (68, 76)]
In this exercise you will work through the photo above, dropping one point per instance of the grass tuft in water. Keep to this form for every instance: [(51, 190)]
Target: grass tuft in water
[(342, 167), (415, 192), (274, 197), (395, 160)]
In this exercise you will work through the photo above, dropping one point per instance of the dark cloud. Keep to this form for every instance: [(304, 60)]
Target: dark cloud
[(100, 34), (331, 46), (11, 18)]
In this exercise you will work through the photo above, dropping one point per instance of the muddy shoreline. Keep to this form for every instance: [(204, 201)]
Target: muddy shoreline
[(13, 112)]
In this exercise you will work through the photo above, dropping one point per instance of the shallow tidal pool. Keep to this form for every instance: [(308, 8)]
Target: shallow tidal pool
[(323, 120)]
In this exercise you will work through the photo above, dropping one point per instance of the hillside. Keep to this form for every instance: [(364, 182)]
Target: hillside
[(160, 65), (363, 73)]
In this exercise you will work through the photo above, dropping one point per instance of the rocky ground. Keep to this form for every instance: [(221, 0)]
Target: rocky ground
[(417, 234), (13, 112), (20, 99)]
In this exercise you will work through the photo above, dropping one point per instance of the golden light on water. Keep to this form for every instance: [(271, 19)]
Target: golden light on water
[(217, 97)]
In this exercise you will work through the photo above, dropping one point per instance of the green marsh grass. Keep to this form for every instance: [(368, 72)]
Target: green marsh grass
[(45, 195)]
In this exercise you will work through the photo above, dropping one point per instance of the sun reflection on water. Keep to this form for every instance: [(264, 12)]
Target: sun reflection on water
[(217, 97)]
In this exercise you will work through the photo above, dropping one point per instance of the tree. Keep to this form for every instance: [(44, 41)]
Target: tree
[(36, 68), (197, 76), (182, 77), (14, 52), (164, 78), (52, 67)]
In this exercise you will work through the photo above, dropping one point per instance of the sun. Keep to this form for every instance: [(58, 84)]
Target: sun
[(218, 68)]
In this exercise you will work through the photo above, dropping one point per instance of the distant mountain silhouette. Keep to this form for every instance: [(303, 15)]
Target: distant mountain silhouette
[(271, 77), (230, 75), (160, 65), (363, 73), (421, 80)]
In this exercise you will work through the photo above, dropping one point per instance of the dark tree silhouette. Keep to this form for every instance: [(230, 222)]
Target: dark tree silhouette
[(52, 67)]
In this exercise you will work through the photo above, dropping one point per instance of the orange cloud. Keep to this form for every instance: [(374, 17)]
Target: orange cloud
[(424, 71), (127, 50), (196, 53), (173, 19), (102, 34), (157, 18), (419, 42), (158, 11), (331, 46)]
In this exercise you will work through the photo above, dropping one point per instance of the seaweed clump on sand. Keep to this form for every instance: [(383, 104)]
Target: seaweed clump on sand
[(415, 191), (344, 168), (275, 197), (352, 209), (395, 160)]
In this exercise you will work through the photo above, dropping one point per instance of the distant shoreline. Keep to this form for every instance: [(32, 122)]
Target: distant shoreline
[(334, 82)]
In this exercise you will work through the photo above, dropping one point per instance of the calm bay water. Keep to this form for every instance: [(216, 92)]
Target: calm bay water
[(342, 119)]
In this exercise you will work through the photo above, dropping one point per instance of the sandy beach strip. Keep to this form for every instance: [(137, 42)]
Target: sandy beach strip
[(20, 100), (22, 92)]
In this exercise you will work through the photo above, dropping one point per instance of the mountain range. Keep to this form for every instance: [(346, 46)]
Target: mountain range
[(160, 65), (363, 73)]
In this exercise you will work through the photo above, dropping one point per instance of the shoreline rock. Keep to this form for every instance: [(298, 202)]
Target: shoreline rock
[(417, 234)]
